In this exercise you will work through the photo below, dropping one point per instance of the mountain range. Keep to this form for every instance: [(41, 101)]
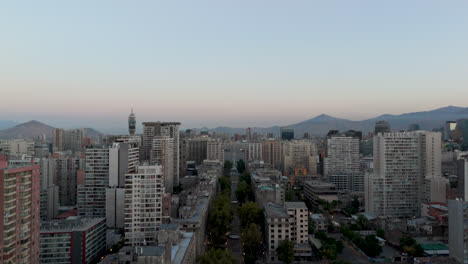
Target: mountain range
[(320, 125), (317, 126), (34, 129)]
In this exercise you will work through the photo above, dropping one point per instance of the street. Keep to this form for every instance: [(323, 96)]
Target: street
[(235, 245)]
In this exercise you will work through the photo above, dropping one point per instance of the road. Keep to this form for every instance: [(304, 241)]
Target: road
[(235, 244)]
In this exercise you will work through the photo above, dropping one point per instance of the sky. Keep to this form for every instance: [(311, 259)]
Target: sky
[(229, 63)]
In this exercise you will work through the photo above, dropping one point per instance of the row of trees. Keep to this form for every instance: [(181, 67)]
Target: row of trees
[(250, 216), (330, 246), (410, 246), (369, 245), (244, 190), (221, 217)]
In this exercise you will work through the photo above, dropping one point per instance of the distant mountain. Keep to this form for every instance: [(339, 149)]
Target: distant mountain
[(4, 124), (320, 125), (29, 130), (34, 129)]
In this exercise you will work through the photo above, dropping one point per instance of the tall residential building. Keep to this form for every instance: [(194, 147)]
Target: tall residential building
[(215, 150), (144, 192), (458, 230), (92, 193), (20, 215), (72, 240), (271, 151), (248, 133), (462, 133), (162, 153), (49, 199), (299, 154), (287, 133), (131, 123), (197, 150), (255, 151), (170, 129), (73, 139), (462, 173), (16, 147), (342, 164), (403, 161), (288, 222), (382, 127), (58, 135)]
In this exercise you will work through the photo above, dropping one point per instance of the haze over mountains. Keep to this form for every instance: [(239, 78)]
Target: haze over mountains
[(34, 129), (317, 126)]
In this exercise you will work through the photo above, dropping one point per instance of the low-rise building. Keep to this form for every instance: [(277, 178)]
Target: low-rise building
[(315, 190), (321, 223)]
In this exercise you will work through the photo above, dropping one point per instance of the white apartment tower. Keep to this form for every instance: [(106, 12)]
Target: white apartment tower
[(162, 153), (299, 154), (144, 192), (342, 164), (215, 150), (403, 161), (169, 129), (255, 151)]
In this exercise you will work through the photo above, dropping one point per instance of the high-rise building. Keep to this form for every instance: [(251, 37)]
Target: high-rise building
[(16, 147), (342, 164), (144, 192), (215, 150), (20, 213), (381, 127), (403, 161), (131, 123), (462, 173), (449, 127), (299, 154), (58, 135), (73, 139), (462, 133), (255, 151), (49, 198), (248, 133), (458, 226), (162, 153), (197, 150), (271, 151), (287, 133), (170, 129)]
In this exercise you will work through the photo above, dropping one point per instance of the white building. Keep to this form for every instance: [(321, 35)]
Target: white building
[(342, 164), (144, 191), (16, 147), (403, 163), (255, 151), (215, 150), (299, 154), (162, 153)]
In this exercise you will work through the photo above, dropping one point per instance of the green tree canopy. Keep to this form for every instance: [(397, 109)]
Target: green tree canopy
[(217, 256), (225, 183), (249, 213), (240, 166), (242, 191), (285, 251), (221, 217), (251, 239)]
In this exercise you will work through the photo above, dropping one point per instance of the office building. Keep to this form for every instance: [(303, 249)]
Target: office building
[(197, 149), (462, 133), (20, 211), (458, 226), (169, 129), (72, 240), (342, 164), (403, 162), (320, 190), (287, 133), (144, 190), (49, 196), (449, 127)]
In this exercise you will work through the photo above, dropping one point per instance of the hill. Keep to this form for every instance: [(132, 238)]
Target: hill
[(29, 130)]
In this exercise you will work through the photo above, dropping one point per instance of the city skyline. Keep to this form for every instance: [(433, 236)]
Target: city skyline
[(235, 64)]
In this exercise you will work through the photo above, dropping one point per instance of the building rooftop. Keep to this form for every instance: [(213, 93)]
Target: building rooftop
[(145, 250), (179, 250), (291, 205), (275, 211), (71, 224), (169, 227)]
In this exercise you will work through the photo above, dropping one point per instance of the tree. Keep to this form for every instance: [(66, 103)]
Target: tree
[(355, 203), (371, 246), (221, 217), (242, 191), (362, 222), (227, 167), (311, 227), (249, 213), (251, 239), (285, 251), (290, 195), (407, 241), (215, 256), (245, 177), (240, 166), (328, 251), (380, 233), (225, 183)]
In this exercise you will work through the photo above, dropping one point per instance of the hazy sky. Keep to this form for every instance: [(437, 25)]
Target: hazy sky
[(237, 63)]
